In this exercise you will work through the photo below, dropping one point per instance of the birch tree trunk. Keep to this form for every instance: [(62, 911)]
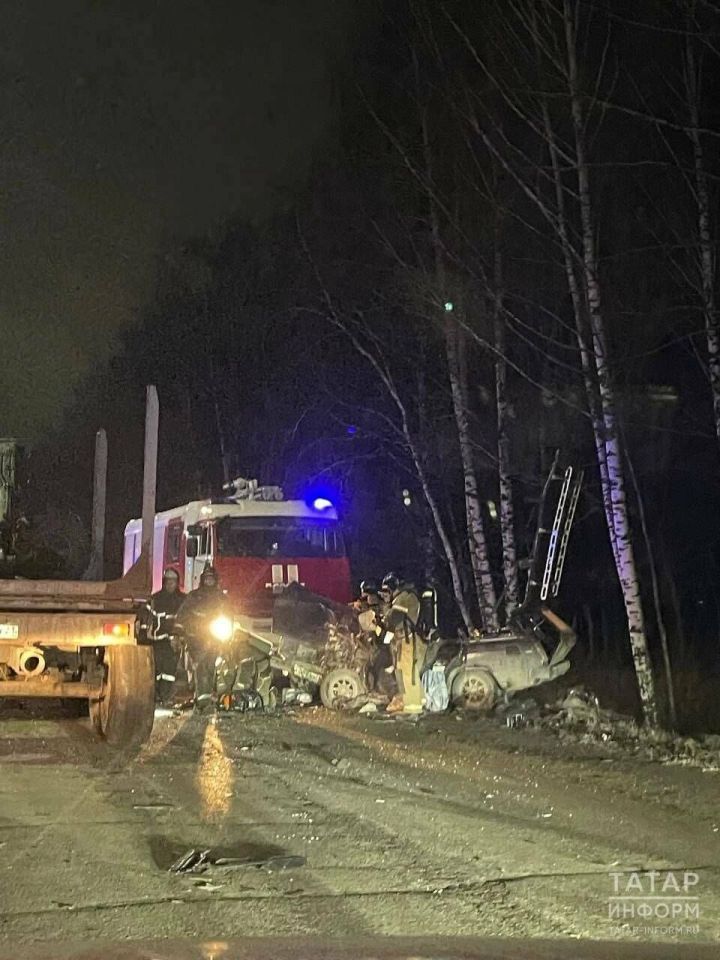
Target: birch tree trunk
[(477, 541), (625, 556), (507, 509), (659, 617), (578, 303), (482, 575), (705, 238), (416, 456), (434, 508), (442, 534)]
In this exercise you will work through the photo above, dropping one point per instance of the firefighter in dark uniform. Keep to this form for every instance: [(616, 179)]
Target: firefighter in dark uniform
[(195, 615), (163, 608), (399, 634)]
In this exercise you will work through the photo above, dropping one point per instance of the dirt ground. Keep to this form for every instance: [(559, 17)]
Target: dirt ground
[(450, 826)]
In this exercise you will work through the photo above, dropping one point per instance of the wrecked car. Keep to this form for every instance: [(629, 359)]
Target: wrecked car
[(534, 647), (317, 647), (485, 669), (313, 646)]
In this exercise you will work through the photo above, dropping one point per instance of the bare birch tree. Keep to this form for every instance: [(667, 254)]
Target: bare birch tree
[(380, 366), (507, 508), (367, 346), (565, 202), (454, 351), (624, 550)]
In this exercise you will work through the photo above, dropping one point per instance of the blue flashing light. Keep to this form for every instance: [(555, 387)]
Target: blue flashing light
[(322, 503)]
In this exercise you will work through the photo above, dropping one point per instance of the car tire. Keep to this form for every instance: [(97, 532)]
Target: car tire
[(474, 689), (341, 686)]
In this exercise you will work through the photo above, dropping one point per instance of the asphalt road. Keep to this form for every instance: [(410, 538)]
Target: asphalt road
[(448, 827)]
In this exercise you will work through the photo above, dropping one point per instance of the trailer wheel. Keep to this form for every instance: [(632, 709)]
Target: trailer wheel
[(123, 716), (340, 686), (474, 689)]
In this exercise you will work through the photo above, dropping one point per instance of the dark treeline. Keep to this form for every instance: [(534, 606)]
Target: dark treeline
[(507, 245)]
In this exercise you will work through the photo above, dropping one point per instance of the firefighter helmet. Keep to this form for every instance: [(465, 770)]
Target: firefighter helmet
[(391, 582), (368, 586)]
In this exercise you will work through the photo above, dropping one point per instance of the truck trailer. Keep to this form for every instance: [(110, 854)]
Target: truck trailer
[(81, 640)]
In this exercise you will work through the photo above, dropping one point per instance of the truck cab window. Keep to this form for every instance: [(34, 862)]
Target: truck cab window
[(204, 540), (174, 539)]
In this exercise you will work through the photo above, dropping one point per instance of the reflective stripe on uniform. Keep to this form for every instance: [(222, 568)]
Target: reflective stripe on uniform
[(165, 676)]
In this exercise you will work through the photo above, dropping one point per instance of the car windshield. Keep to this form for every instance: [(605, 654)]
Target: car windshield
[(279, 537)]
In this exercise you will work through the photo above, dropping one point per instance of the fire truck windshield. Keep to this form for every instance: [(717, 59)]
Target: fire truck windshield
[(279, 537)]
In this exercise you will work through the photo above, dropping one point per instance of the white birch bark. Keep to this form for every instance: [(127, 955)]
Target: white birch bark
[(578, 302), (507, 509), (625, 556), (477, 541)]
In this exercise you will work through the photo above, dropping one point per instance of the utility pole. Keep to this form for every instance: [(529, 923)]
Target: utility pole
[(152, 419), (95, 568)]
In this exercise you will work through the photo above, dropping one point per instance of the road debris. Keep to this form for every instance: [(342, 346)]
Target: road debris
[(369, 707), (579, 717), (342, 763), (518, 713), (289, 862), (194, 861), (200, 861)]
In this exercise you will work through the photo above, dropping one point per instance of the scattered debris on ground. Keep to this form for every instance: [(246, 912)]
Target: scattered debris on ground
[(580, 718), (200, 861)]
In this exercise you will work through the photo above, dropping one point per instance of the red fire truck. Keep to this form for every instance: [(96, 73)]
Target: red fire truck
[(258, 542)]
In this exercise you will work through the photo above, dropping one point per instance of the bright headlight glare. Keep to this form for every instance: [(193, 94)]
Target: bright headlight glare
[(221, 628)]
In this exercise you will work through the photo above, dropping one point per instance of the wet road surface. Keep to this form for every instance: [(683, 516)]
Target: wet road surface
[(447, 827)]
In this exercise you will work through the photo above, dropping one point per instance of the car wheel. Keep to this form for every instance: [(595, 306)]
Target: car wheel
[(341, 686), (474, 689)]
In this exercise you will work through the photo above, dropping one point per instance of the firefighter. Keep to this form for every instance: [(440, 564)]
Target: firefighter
[(370, 608), (400, 635), (163, 608), (195, 615), (369, 605)]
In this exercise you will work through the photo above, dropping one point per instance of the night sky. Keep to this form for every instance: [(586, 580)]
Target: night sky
[(125, 126)]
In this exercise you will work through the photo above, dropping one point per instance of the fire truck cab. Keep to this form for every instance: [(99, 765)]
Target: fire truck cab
[(258, 542)]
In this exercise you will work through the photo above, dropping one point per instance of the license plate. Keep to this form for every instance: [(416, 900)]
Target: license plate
[(8, 631)]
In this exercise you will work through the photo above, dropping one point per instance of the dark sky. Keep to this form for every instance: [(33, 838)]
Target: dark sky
[(127, 126)]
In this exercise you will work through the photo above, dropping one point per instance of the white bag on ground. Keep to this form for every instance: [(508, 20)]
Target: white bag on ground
[(437, 696)]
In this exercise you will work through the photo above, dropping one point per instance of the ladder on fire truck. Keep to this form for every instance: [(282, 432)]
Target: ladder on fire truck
[(242, 488)]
